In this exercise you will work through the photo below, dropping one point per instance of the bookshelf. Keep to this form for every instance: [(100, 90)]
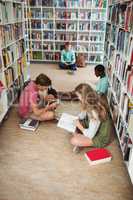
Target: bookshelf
[(51, 23), (119, 62), (13, 54)]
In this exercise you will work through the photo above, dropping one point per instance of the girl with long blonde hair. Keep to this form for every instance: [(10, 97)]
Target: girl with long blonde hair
[(96, 129)]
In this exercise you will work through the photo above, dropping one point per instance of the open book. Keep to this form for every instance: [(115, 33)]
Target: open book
[(68, 122)]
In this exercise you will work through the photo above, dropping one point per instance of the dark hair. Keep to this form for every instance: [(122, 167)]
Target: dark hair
[(43, 80), (67, 43), (100, 68)]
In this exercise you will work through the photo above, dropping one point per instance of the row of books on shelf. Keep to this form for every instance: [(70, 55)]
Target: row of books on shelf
[(37, 55), (124, 138), (122, 97), (82, 4), (64, 36), (8, 96), (110, 2), (10, 12), (36, 13), (122, 15), (13, 72), (65, 15), (121, 39), (10, 33), (123, 45), (48, 3), (111, 32), (37, 35), (66, 26), (83, 26), (14, 90), (80, 47), (70, 37), (13, 52), (70, 4), (125, 87), (123, 121), (123, 67)]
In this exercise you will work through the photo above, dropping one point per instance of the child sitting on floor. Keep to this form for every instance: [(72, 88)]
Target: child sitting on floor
[(102, 85), (30, 97), (96, 129)]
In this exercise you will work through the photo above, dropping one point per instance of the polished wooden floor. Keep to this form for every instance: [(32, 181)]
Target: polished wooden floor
[(42, 165)]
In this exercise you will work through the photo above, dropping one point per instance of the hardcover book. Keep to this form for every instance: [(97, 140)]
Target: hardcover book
[(29, 124), (98, 155)]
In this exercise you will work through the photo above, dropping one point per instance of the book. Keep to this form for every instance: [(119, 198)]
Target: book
[(29, 124), (130, 125), (98, 156), (67, 122)]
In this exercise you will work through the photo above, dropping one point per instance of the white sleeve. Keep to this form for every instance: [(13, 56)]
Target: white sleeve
[(82, 115), (93, 128)]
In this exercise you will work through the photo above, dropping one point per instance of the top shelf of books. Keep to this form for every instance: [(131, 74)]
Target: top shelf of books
[(113, 2), (90, 4), (11, 12)]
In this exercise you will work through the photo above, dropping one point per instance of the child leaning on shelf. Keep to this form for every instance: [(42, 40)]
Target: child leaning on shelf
[(94, 122), (33, 94), (102, 85)]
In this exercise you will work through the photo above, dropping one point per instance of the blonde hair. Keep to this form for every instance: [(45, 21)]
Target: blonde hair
[(83, 89), (92, 101)]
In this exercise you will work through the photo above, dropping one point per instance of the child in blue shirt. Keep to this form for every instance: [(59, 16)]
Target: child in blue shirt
[(68, 60), (102, 85)]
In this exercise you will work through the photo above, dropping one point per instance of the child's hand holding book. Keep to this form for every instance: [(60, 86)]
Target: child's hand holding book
[(79, 126)]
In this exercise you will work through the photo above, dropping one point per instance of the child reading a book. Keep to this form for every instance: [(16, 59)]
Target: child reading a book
[(96, 129), (29, 100)]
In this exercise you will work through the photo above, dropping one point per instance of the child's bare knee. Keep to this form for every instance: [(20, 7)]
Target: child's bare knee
[(51, 115), (47, 116)]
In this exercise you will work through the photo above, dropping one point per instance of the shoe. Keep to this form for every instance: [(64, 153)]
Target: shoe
[(71, 72), (76, 149)]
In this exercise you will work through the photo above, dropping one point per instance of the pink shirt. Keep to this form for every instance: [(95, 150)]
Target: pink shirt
[(28, 97)]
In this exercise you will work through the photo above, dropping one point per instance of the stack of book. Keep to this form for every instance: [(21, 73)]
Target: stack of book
[(29, 124)]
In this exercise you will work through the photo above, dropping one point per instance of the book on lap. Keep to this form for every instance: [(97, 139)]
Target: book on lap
[(98, 155), (67, 122), (29, 124)]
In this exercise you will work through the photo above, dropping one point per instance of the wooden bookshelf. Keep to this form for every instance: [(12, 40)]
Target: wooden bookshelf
[(52, 23), (13, 53), (119, 62)]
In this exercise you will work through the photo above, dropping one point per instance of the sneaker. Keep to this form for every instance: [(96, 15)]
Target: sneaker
[(76, 149), (71, 72)]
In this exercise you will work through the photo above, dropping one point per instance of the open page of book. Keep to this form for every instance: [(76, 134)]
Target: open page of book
[(67, 122)]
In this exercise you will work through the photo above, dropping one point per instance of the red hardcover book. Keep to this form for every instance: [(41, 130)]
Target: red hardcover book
[(98, 155)]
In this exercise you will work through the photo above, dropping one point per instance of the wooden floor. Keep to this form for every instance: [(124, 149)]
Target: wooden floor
[(42, 166)]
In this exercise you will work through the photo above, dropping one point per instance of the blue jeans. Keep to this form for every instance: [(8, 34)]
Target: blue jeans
[(71, 66)]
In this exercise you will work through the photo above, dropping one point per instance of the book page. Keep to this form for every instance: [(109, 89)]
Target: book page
[(67, 122)]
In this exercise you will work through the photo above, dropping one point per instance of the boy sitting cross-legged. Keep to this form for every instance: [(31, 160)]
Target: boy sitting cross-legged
[(29, 100)]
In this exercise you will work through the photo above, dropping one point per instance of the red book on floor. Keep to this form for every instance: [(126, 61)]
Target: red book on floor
[(98, 155)]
